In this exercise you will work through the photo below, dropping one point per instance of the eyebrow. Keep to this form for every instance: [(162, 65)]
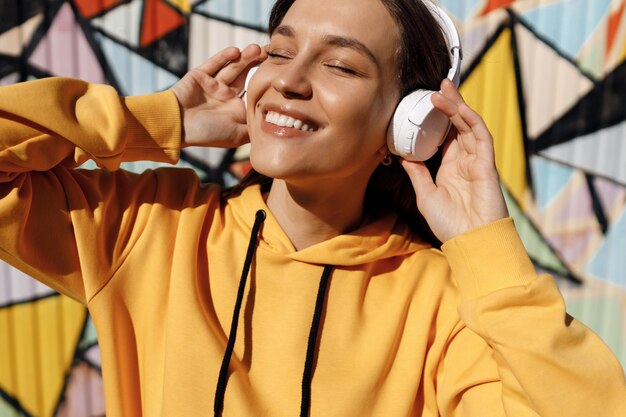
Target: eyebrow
[(333, 40)]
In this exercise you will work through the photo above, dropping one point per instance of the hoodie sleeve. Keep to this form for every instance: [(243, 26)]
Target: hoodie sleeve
[(548, 364), (51, 213)]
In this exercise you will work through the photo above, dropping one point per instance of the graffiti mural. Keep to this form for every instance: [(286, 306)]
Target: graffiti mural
[(548, 76)]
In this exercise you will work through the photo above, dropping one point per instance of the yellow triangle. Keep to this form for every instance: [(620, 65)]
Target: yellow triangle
[(491, 90), (183, 5), (36, 350)]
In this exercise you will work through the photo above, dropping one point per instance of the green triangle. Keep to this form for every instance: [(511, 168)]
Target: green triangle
[(88, 338), (539, 251), (7, 410), (604, 316)]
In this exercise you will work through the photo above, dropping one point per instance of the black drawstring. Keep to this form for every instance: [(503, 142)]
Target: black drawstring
[(310, 351), (218, 405)]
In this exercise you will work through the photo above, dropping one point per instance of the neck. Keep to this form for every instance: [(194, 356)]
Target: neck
[(313, 214)]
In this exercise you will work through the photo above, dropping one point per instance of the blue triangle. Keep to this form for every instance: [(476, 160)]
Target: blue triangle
[(462, 9), (246, 12), (567, 24), (609, 263), (549, 178), (135, 74)]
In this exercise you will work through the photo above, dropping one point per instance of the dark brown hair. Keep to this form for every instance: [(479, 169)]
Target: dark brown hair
[(423, 61)]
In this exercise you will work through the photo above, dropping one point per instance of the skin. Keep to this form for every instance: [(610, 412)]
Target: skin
[(349, 95)]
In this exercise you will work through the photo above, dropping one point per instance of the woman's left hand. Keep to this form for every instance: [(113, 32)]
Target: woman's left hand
[(466, 193)]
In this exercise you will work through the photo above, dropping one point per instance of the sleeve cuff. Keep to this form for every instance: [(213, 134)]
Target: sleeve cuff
[(154, 127), (488, 259)]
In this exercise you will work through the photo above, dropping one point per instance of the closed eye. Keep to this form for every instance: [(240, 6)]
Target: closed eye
[(344, 69), (277, 56)]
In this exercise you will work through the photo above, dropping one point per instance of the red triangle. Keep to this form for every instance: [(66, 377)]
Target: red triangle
[(614, 21), (158, 19), (495, 4), (90, 8)]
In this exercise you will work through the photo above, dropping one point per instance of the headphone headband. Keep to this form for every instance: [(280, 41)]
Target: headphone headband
[(452, 38)]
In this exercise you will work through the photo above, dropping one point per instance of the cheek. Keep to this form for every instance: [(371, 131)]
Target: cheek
[(364, 115)]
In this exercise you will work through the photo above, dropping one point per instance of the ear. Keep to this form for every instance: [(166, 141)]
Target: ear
[(383, 151)]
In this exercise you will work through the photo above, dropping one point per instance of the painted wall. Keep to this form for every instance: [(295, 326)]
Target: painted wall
[(548, 76)]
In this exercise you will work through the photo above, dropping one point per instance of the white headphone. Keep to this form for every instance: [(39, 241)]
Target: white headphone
[(417, 128)]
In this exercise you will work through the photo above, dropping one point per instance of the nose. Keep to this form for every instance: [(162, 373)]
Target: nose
[(292, 80)]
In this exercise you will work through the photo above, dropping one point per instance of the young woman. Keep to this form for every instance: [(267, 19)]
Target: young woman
[(312, 289)]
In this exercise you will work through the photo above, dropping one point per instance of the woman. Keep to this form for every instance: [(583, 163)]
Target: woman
[(300, 291)]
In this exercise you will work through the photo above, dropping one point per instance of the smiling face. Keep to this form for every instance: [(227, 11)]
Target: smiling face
[(320, 105)]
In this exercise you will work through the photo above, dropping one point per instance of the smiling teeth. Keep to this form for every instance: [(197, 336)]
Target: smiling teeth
[(287, 121)]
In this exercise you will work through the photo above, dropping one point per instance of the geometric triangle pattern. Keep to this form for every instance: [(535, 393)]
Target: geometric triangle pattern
[(38, 350), (583, 152), (542, 254), (609, 262), (65, 38), (248, 14), (565, 80), (549, 179), (491, 89), (159, 18), (91, 8), (548, 76), (135, 74), (83, 393), (13, 41), (122, 23), (583, 17)]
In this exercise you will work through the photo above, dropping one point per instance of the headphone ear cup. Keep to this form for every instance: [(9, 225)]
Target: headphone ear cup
[(249, 76), (417, 128)]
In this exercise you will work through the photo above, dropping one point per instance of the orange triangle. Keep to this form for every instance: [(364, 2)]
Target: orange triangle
[(90, 8), (158, 19), (614, 21), (495, 4)]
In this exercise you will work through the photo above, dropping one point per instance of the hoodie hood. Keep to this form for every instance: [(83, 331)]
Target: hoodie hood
[(383, 238)]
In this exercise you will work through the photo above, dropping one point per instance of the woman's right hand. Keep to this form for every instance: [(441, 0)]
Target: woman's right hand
[(213, 113)]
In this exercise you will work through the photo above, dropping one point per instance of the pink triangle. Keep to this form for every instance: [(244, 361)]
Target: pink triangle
[(64, 50), (572, 244), (609, 193), (83, 394), (578, 207)]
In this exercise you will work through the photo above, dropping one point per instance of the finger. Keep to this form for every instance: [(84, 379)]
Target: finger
[(421, 179), (449, 90), (250, 56), (217, 61), (475, 122), (451, 110), (241, 135)]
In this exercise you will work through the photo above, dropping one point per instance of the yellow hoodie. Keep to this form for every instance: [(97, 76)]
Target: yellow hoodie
[(405, 329)]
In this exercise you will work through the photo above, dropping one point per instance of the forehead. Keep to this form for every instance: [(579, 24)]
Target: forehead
[(367, 21)]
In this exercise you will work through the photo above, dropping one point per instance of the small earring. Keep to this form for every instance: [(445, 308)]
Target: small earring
[(387, 160)]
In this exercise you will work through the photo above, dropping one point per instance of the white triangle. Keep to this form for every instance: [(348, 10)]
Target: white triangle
[(122, 23), (552, 85), (209, 36), (601, 153), (18, 287), (13, 41)]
